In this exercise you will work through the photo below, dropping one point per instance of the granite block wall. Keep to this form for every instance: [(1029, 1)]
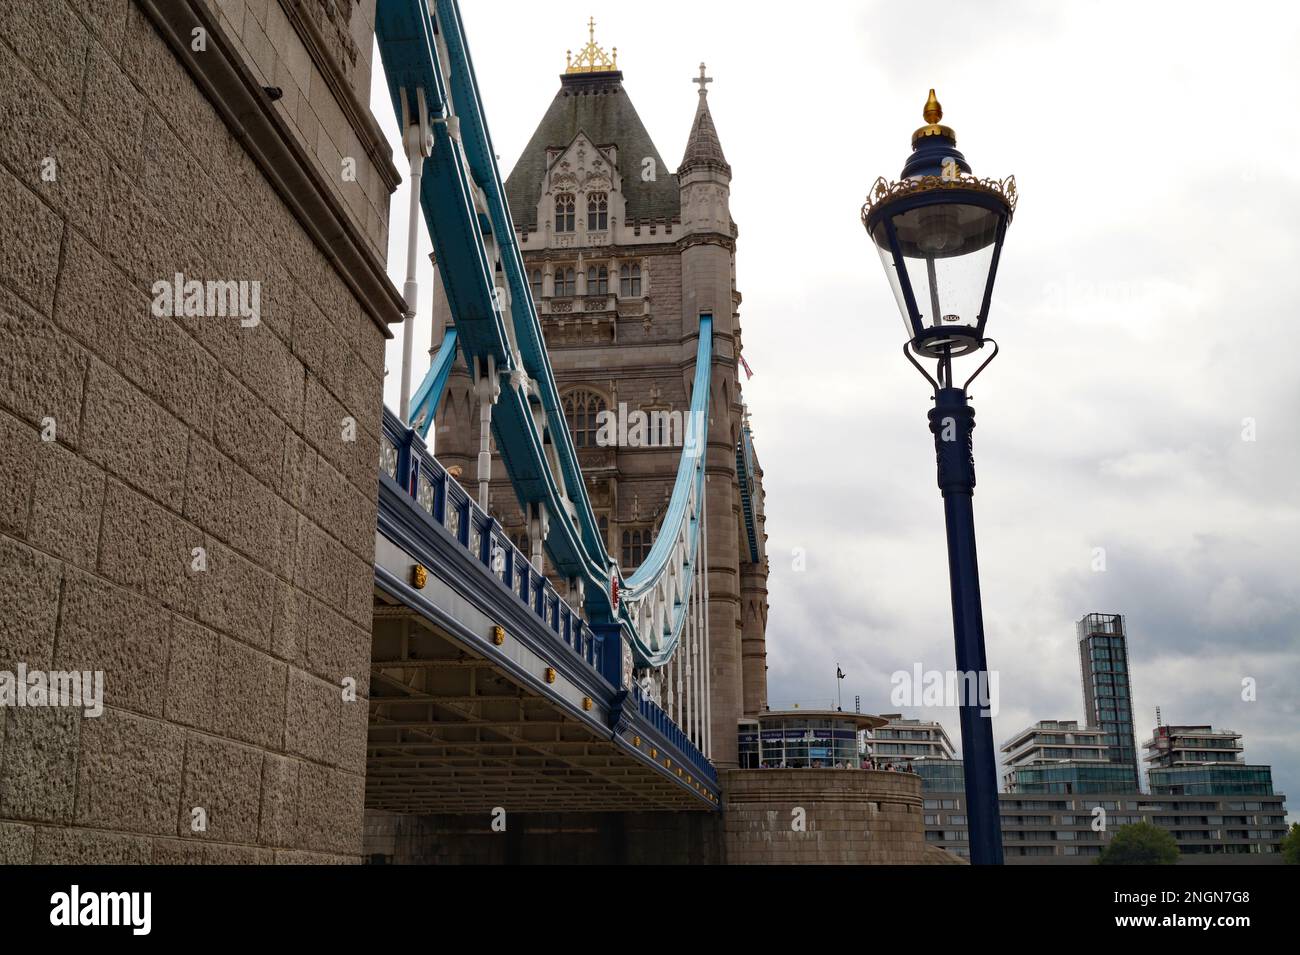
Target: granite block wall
[(183, 504)]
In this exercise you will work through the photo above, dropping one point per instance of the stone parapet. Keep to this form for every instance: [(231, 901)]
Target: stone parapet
[(825, 817)]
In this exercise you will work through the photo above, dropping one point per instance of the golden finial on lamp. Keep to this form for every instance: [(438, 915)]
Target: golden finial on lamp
[(932, 113)]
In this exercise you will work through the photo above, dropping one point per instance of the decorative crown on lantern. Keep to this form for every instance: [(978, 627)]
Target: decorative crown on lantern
[(591, 59)]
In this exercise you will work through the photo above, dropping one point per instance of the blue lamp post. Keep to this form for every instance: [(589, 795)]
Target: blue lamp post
[(939, 232)]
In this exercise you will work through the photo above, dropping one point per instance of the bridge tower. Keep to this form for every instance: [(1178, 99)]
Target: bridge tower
[(624, 256), (708, 263)]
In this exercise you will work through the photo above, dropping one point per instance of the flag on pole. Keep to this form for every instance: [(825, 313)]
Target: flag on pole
[(744, 364), (839, 674)]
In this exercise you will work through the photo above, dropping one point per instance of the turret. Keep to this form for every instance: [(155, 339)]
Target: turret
[(704, 178), (705, 175)]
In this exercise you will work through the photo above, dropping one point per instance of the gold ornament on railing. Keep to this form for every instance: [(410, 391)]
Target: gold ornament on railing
[(591, 59)]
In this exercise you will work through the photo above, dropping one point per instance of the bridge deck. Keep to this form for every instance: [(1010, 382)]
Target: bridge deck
[(486, 688), (452, 732)]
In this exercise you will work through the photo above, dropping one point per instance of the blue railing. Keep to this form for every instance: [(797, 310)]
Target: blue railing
[(404, 458), (745, 474), (673, 733)]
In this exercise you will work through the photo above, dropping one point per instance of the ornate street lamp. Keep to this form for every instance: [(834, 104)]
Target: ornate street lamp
[(939, 231)]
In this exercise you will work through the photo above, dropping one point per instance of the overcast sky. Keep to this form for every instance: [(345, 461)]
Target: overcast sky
[(1145, 305)]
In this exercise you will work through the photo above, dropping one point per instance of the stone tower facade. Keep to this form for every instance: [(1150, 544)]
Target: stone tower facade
[(624, 256)]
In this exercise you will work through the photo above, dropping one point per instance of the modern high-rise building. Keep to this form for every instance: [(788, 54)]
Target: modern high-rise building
[(1107, 691), (1059, 829), (1060, 756), (1202, 761), (1070, 785), (1216, 807), (901, 740)]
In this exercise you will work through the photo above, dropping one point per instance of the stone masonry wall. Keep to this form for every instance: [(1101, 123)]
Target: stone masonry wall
[(262, 32), (584, 838), (129, 440), (849, 817)]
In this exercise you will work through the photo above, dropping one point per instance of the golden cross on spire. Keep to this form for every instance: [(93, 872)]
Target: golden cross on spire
[(591, 59)]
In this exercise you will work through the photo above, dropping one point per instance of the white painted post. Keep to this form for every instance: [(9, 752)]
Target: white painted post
[(708, 696), (488, 388), (418, 140)]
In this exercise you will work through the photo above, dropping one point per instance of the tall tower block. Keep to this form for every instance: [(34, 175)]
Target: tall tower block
[(1107, 687)]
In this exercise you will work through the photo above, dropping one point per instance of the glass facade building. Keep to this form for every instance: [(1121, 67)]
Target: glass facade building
[(803, 739), (940, 775), (1071, 778), (1225, 811), (1062, 830), (1107, 689), (1213, 779), (1060, 756)]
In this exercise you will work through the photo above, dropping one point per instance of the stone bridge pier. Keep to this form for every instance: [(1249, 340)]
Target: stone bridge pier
[(193, 309)]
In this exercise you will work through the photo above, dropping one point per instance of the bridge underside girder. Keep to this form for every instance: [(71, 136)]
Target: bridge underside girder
[(450, 732)]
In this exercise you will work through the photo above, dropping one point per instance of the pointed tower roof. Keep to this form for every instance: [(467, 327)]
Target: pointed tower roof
[(703, 148), (591, 100)]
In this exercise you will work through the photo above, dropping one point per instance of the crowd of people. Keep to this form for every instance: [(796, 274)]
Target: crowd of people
[(865, 763)]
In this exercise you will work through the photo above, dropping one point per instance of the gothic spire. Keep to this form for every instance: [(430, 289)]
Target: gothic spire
[(703, 148)]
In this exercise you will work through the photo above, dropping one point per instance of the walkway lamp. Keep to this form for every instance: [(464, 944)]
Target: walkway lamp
[(939, 232)]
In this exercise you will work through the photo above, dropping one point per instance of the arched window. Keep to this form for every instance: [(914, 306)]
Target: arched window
[(597, 212), (636, 546), (597, 281), (582, 409), (629, 280), (602, 521), (535, 280), (565, 206), (565, 282)]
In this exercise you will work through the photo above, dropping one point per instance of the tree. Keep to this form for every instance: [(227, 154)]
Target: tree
[(1291, 845), (1140, 844)]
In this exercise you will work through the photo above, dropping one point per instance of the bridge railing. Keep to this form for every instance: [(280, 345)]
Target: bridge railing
[(404, 457), (656, 717)]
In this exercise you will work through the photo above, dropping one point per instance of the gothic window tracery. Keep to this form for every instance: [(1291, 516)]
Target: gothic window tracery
[(629, 280), (565, 209), (637, 542), (597, 280), (597, 211), (582, 409), (565, 282)]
